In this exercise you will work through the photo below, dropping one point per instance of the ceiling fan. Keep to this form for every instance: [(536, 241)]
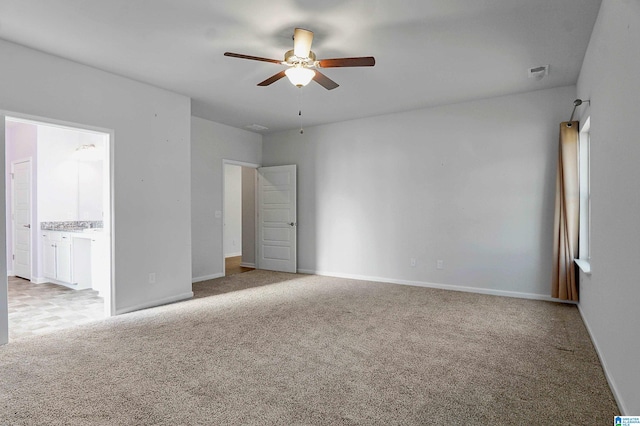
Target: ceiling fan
[(302, 63)]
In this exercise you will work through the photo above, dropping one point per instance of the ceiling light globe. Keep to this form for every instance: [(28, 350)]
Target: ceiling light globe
[(299, 76)]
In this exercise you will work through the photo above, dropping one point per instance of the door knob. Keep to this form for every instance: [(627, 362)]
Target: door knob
[(27, 226), (292, 224)]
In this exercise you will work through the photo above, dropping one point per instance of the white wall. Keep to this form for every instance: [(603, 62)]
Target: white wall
[(90, 185), (57, 174), (151, 159), (609, 298), (211, 143), (232, 210), (471, 184)]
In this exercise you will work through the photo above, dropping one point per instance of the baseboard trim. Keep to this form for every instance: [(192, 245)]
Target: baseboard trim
[(492, 292), (34, 280), (153, 304), (226, 256), (248, 265), (207, 277), (612, 385)]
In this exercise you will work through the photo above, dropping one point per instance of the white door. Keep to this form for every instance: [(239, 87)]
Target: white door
[(277, 218), (21, 173)]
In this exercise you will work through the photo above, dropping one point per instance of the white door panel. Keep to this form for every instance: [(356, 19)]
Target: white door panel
[(277, 234), (277, 218), (277, 253), (276, 215)]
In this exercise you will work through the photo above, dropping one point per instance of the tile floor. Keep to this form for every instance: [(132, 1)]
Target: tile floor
[(36, 309)]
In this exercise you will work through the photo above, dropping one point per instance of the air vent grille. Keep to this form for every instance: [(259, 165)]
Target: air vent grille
[(538, 72), (257, 127)]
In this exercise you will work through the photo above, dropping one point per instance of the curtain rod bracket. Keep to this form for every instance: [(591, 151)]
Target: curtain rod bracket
[(576, 104)]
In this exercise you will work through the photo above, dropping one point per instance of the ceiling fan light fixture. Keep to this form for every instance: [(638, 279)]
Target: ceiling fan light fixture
[(301, 60), (300, 76)]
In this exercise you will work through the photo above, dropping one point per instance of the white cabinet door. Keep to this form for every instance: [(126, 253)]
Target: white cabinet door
[(48, 257), (57, 256), (63, 261)]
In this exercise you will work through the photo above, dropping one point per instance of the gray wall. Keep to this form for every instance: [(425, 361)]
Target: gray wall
[(609, 297), (471, 184), (211, 144), (152, 203)]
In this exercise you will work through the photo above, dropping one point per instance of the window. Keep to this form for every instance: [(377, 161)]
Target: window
[(584, 249)]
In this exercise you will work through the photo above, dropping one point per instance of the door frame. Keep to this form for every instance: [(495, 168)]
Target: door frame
[(109, 197), (13, 214), (224, 189)]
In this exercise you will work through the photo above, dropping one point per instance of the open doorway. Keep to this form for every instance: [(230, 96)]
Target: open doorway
[(58, 210), (239, 217)]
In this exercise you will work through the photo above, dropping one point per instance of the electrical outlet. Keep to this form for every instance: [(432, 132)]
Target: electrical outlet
[(152, 278), (412, 261), (440, 264)]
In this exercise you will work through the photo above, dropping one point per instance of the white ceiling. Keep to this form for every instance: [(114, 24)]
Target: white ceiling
[(428, 52)]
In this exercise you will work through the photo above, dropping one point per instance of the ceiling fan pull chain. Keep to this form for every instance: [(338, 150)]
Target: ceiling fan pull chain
[(300, 110)]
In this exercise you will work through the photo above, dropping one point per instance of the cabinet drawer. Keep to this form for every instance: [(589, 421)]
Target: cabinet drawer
[(57, 236)]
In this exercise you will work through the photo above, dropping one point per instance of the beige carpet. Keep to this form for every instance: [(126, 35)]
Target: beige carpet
[(271, 348)]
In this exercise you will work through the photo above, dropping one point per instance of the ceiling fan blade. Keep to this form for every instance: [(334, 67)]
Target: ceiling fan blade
[(253, 58), (272, 79), (363, 61), (325, 81), (302, 42)]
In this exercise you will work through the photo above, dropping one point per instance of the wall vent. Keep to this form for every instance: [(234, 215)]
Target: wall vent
[(538, 72)]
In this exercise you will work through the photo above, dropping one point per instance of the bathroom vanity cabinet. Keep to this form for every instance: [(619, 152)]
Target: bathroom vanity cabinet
[(75, 259)]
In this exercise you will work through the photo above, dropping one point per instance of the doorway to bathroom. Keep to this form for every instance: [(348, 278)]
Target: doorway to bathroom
[(58, 219)]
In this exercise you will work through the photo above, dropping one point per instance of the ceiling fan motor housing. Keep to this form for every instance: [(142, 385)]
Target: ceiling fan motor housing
[(291, 59)]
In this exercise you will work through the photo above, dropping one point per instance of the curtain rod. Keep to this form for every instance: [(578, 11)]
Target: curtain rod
[(576, 104)]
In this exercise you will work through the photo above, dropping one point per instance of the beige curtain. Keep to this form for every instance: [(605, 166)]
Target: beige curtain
[(567, 216)]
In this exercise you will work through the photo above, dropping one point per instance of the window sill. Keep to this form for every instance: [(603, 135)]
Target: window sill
[(584, 265)]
